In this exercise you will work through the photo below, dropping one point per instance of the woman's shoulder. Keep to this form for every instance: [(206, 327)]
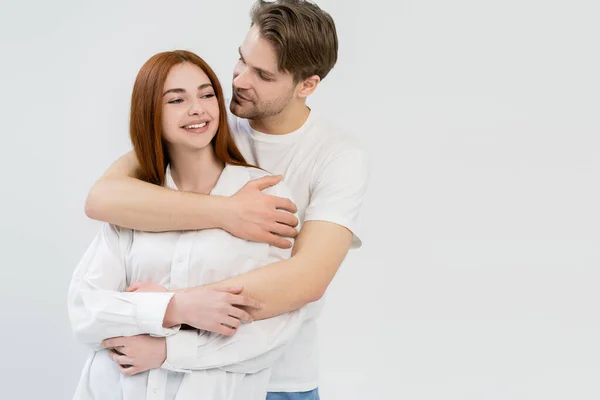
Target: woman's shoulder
[(280, 189)]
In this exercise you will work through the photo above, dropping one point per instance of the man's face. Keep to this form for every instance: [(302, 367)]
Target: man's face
[(260, 90)]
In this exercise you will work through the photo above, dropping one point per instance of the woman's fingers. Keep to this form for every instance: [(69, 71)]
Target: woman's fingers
[(231, 322), (120, 359), (128, 370), (240, 314), (240, 300)]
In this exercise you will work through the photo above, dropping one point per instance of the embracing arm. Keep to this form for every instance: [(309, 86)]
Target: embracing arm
[(320, 248), (288, 285), (284, 287), (121, 198), (330, 230)]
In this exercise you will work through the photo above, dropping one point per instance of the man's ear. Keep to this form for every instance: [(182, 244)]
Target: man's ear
[(308, 86)]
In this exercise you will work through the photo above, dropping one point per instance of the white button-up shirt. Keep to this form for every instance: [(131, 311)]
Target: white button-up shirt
[(199, 364)]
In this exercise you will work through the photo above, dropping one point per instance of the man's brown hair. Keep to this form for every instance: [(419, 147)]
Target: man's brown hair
[(304, 36)]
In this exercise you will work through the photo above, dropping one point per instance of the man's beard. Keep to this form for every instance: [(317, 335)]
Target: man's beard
[(250, 109)]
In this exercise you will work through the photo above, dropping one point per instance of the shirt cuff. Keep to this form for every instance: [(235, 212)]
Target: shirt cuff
[(182, 350), (151, 310)]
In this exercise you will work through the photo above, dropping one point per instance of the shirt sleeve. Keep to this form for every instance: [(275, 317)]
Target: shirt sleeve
[(254, 347), (97, 307), (338, 190)]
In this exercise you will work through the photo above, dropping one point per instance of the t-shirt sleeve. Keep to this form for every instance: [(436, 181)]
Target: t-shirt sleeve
[(338, 190)]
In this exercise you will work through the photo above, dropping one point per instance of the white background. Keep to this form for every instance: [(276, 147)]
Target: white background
[(479, 272)]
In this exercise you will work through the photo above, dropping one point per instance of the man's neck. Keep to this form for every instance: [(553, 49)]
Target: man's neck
[(288, 120)]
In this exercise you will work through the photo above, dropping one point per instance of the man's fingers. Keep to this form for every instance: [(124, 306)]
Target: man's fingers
[(281, 203), (266, 181), (277, 241), (286, 218), (244, 301), (240, 314), (283, 230)]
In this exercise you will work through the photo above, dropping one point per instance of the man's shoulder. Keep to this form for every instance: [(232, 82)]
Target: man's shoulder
[(249, 173), (252, 173), (333, 140)]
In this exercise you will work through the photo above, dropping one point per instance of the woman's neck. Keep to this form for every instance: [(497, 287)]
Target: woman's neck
[(195, 171)]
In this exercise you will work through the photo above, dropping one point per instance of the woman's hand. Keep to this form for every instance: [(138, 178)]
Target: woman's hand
[(145, 287), (135, 354), (216, 310)]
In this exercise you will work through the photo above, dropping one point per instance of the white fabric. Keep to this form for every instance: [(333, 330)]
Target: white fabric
[(229, 368), (327, 173)]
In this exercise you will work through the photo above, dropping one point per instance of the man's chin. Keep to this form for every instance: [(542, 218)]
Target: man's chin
[(240, 111)]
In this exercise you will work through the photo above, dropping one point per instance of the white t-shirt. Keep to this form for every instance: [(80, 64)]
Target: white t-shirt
[(326, 172)]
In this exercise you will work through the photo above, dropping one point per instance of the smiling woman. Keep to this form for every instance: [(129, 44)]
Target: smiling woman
[(129, 281), (173, 91)]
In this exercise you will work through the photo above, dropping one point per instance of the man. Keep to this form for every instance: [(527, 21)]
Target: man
[(291, 46)]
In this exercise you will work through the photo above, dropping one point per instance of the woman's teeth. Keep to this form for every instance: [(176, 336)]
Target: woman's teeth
[(196, 126)]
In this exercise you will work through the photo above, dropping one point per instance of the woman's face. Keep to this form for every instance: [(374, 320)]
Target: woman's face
[(190, 109)]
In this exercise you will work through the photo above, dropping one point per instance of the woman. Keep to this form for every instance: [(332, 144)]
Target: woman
[(180, 136)]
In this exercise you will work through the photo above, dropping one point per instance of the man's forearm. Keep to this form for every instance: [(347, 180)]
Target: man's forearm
[(134, 204), (287, 285), (282, 287)]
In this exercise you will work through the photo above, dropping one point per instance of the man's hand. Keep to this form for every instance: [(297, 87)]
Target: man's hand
[(211, 309), (137, 354), (254, 215)]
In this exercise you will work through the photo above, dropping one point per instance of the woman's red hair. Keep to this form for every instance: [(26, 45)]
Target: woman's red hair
[(145, 123)]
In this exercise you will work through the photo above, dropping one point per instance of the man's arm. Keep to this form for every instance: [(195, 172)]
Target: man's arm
[(121, 198), (287, 285), (331, 229), (283, 286)]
